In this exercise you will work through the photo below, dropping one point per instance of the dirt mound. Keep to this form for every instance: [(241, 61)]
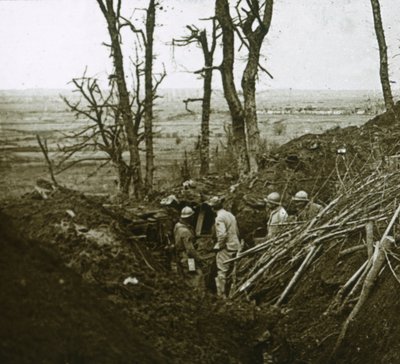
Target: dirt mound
[(50, 315), (373, 337), (316, 163), (328, 166), (98, 318), (181, 325)]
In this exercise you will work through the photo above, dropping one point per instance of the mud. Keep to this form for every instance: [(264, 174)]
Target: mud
[(67, 278), (64, 298)]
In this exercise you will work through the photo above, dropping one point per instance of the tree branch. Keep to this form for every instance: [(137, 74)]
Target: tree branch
[(45, 152), (186, 102)]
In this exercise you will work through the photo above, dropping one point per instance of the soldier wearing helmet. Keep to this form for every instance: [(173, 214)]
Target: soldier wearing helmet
[(188, 259), (277, 215), (305, 209), (227, 245)]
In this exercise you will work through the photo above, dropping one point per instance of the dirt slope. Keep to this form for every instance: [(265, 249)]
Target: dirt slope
[(49, 315), (373, 337), (311, 333), (84, 314), (316, 163), (67, 301)]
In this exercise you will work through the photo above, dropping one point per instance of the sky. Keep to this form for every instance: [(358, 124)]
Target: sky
[(312, 44)]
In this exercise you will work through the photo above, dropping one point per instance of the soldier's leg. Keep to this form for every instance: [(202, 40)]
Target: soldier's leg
[(223, 268)]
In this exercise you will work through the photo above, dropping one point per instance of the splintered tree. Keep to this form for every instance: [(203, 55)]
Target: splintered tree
[(254, 20), (112, 15), (103, 131), (149, 94), (251, 24), (113, 117), (132, 120), (199, 37), (222, 13), (384, 67), (146, 38)]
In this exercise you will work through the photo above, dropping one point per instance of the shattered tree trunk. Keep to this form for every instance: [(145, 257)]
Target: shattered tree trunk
[(206, 105), (250, 109), (124, 178), (255, 39), (235, 107), (149, 96), (384, 67), (205, 124), (124, 102)]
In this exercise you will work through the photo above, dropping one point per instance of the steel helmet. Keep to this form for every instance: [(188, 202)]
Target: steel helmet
[(274, 198), (301, 196), (186, 212)]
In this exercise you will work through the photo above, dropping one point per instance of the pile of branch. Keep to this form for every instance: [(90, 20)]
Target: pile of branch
[(280, 262)]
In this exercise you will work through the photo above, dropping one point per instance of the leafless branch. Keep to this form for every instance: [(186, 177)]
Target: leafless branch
[(187, 101), (206, 69), (75, 162), (45, 151), (133, 28)]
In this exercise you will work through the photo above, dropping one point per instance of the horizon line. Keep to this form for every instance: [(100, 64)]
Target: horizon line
[(198, 88)]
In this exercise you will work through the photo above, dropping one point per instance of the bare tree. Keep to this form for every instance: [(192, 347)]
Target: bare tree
[(103, 131), (112, 15), (200, 38), (222, 13), (254, 21), (149, 95), (384, 67), (112, 12), (251, 24)]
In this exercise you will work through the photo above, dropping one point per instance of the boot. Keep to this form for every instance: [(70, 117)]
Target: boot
[(220, 284)]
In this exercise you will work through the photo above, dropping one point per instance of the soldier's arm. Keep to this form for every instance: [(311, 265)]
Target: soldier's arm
[(255, 204), (187, 240), (221, 232)]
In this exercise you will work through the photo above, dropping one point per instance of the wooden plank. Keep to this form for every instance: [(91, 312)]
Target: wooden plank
[(200, 221)]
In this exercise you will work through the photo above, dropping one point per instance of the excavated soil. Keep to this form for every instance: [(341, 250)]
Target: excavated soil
[(316, 163), (50, 315), (64, 298), (311, 333)]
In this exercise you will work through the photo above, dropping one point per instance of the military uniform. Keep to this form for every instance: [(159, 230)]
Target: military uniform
[(311, 210), (227, 235), (277, 217), (185, 250)]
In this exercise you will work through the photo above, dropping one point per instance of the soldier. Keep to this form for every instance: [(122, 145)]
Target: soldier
[(277, 215), (188, 259), (306, 210), (227, 245)]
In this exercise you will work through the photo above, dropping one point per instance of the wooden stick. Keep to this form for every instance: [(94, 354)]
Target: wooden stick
[(355, 276), (45, 151), (352, 250), (246, 284), (297, 274), (367, 286), (369, 237), (359, 282), (378, 261), (391, 268), (386, 233)]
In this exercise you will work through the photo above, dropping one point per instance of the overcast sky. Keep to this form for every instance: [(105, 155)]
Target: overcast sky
[(312, 44)]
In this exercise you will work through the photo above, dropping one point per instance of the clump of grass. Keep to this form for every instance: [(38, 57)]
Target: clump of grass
[(279, 128), (178, 139)]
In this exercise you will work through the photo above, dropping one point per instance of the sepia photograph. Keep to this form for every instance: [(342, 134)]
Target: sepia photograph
[(200, 181)]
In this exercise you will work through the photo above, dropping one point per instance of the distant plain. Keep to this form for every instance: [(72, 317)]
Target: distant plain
[(282, 114)]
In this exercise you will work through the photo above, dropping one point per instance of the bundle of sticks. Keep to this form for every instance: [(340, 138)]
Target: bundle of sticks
[(280, 262)]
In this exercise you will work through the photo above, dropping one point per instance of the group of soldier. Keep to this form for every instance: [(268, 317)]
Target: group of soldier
[(226, 236)]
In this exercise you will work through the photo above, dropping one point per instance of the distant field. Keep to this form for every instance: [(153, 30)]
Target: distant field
[(283, 115)]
